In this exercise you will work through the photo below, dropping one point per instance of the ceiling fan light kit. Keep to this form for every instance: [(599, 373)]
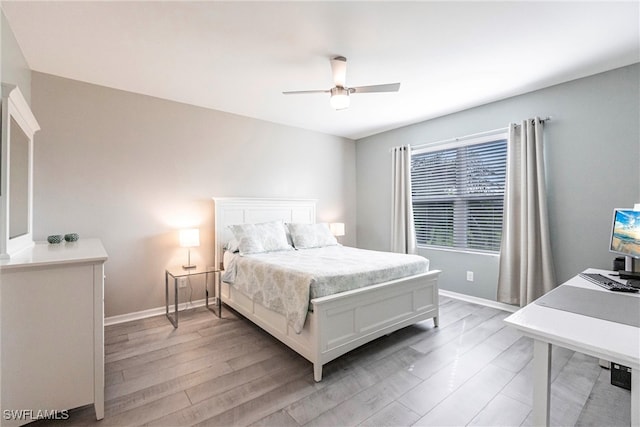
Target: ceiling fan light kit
[(340, 92), (339, 98)]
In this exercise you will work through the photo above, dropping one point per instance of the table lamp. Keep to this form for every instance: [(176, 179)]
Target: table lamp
[(337, 228), (189, 238)]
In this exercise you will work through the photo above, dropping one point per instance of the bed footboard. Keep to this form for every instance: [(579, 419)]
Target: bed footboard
[(343, 322)]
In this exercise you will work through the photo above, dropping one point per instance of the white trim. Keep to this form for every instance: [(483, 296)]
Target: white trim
[(462, 141), (476, 300), (457, 250), (122, 318), (14, 106)]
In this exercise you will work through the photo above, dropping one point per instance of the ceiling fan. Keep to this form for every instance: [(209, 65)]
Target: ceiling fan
[(340, 92)]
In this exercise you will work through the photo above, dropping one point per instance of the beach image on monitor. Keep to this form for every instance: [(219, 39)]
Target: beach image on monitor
[(625, 238)]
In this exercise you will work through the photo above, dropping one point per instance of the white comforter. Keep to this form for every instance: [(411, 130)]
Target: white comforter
[(285, 281)]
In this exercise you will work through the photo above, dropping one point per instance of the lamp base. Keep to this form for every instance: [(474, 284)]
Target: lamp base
[(188, 265)]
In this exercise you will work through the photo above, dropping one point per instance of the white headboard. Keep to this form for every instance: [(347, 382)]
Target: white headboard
[(230, 211)]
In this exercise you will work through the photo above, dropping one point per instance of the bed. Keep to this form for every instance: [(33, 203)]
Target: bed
[(332, 324)]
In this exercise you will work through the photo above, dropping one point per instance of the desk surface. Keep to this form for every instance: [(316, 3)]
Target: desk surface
[(600, 338)]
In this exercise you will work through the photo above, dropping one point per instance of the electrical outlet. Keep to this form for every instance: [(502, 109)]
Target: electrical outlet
[(182, 282), (469, 276)]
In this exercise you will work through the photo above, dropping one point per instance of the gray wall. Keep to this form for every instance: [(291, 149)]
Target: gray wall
[(593, 163), (14, 68), (132, 170)]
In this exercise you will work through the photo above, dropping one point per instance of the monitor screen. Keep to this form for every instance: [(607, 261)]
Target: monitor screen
[(625, 234)]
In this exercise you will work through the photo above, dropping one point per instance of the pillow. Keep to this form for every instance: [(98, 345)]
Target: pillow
[(311, 235), (232, 246), (257, 238)]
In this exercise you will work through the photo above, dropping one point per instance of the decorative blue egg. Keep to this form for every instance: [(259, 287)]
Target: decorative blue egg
[(54, 238), (71, 237)]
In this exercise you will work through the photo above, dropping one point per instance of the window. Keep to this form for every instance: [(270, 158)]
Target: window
[(458, 194)]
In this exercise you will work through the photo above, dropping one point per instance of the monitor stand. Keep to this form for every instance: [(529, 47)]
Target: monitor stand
[(631, 270), (634, 275)]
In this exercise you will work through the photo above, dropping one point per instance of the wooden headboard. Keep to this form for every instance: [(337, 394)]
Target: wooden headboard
[(230, 211)]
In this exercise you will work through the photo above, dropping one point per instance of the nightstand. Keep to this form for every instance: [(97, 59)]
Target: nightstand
[(178, 273)]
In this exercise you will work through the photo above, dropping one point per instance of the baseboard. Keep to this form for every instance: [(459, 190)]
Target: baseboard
[(476, 300), (114, 320)]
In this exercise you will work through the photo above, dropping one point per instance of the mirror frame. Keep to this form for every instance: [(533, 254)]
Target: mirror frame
[(14, 106)]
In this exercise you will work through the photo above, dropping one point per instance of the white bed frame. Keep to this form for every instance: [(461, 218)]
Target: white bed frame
[(338, 323)]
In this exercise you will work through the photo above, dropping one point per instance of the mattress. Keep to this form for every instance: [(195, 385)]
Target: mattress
[(286, 281)]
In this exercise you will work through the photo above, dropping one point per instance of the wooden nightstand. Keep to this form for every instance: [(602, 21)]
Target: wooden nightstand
[(179, 272)]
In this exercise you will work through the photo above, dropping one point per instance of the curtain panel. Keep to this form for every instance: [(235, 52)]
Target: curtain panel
[(403, 235), (526, 265)]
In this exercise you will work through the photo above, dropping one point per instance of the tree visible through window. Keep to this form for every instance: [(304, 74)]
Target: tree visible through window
[(458, 194)]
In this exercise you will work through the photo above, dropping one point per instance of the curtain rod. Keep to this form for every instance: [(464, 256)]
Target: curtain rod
[(473, 135)]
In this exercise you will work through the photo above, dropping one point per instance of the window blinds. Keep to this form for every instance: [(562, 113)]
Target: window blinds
[(458, 195)]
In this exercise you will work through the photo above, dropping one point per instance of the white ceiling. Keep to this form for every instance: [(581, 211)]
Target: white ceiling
[(239, 56)]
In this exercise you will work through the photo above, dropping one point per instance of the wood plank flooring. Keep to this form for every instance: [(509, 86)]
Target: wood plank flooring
[(472, 370)]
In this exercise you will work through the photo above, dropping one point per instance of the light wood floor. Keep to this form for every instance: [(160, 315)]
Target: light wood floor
[(472, 370)]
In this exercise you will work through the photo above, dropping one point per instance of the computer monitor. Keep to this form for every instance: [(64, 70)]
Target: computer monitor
[(625, 233)]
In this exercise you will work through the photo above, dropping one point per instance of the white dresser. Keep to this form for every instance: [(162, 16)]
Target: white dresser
[(52, 330)]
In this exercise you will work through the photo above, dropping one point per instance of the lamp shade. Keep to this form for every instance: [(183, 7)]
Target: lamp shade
[(337, 228), (189, 237)]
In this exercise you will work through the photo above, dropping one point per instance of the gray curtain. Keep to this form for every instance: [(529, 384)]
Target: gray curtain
[(403, 236), (526, 265)]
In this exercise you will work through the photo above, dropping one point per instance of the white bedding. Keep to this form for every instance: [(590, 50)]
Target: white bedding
[(286, 281)]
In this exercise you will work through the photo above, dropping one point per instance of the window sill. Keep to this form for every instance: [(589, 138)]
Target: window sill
[(460, 251)]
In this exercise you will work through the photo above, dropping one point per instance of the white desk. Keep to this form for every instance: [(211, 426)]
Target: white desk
[(611, 341)]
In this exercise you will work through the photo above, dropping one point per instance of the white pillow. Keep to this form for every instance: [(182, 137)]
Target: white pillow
[(257, 238), (306, 236), (232, 246)]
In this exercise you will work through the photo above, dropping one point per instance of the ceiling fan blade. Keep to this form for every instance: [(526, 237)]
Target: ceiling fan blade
[(298, 92), (339, 70), (391, 87)]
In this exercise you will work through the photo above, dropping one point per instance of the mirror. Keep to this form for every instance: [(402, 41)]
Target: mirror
[(18, 182), (16, 161)]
